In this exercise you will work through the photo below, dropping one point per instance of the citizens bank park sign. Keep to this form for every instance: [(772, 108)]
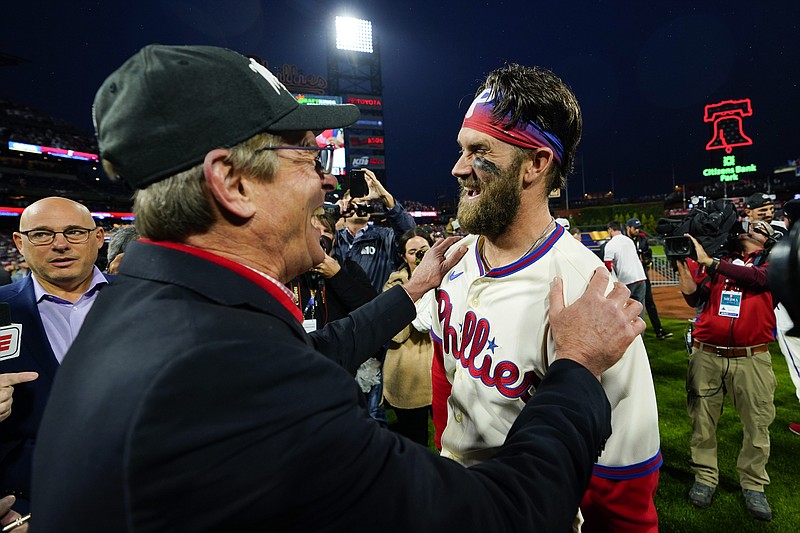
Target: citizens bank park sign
[(727, 118)]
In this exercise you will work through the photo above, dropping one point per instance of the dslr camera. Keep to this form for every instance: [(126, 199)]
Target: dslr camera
[(360, 210)]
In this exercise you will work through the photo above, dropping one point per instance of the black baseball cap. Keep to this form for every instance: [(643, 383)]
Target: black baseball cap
[(791, 209), (167, 106), (757, 200), (634, 223)]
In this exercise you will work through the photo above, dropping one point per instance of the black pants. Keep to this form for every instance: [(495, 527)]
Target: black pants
[(412, 423), (650, 304)]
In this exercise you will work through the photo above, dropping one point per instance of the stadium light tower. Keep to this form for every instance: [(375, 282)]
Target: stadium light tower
[(354, 73), (353, 34)]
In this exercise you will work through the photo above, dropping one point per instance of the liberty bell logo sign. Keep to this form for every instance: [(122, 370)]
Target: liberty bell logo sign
[(727, 119)]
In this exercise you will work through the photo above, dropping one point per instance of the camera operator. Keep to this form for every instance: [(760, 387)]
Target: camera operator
[(789, 344), (730, 352)]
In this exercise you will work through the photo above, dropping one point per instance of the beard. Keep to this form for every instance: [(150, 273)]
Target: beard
[(497, 207)]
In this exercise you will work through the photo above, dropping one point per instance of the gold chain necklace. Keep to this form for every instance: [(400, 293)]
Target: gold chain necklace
[(539, 240)]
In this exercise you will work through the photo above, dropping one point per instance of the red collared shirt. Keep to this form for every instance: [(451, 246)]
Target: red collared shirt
[(756, 322)]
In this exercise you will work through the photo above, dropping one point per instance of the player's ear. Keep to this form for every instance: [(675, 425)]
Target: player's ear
[(536, 165)]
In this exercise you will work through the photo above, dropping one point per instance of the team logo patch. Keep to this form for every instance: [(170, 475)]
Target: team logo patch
[(258, 68)]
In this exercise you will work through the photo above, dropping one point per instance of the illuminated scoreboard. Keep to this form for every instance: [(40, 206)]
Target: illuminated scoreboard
[(365, 140)]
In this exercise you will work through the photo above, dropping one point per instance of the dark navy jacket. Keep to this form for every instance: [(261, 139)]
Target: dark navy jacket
[(18, 431), (193, 401)]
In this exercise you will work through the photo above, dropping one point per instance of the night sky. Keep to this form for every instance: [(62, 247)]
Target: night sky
[(642, 71)]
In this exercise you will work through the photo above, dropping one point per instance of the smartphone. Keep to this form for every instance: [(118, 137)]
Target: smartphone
[(358, 184)]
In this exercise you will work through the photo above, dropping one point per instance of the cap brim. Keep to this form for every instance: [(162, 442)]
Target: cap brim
[(317, 118)]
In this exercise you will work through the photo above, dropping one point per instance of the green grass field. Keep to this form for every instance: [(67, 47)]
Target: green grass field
[(668, 360)]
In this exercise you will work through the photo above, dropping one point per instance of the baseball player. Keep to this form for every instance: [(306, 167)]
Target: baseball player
[(492, 343)]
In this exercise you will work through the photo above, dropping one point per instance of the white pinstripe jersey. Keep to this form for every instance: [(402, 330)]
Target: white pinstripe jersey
[(494, 333)]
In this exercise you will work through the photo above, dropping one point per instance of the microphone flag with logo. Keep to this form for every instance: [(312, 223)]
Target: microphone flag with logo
[(10, 334)]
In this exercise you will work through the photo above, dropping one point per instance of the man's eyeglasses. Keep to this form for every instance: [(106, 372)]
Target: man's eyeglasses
[(43, 237), (323, 161)]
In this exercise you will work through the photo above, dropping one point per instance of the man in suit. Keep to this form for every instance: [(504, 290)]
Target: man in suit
[(60, 241), (194, 401)]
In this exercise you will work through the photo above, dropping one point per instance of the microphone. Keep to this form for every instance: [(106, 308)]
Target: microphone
[(10, 334)]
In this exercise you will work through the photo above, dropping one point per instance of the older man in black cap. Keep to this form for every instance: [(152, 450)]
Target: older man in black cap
[(193, 400)]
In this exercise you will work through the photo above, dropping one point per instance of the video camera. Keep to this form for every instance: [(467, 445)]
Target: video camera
[(784, 276), (715, 225)]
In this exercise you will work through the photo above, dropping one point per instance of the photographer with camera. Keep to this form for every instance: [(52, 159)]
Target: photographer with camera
[(374, 248), (730, 352), (330, 290)]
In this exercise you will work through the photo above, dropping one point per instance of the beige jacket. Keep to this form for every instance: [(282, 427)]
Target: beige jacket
[(407, 368)]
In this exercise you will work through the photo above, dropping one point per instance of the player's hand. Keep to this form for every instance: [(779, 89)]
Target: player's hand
[(7, 515), (430, 271), (595, 330), (7, 382)]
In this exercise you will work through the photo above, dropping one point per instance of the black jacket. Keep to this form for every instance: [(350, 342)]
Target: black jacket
[(193, 401), (334, 297)]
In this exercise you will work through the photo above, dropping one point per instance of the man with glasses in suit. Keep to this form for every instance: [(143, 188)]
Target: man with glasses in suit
[(60, 242)]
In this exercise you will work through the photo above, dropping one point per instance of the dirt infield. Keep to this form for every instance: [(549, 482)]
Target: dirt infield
[(671, 304)]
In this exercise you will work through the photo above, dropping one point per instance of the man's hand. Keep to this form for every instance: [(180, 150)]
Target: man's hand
[(346, 207), (7, 515), (328, 268), (7, 382), (429, 273), (376, 190), (595, 330), (686, 282), (702, 257)]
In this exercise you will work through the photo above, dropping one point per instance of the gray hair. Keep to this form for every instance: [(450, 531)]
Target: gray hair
[(120, 240), (180, 206)]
